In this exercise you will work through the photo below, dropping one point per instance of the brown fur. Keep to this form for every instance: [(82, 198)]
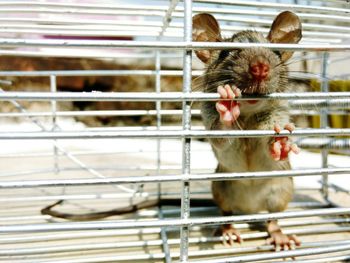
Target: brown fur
[(248, 154)]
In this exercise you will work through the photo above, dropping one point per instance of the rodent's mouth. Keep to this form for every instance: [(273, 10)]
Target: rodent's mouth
[(254, 90), (253, 94), (252, 101)]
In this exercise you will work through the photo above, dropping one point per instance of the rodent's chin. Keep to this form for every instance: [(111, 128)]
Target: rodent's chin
[(249, 107)]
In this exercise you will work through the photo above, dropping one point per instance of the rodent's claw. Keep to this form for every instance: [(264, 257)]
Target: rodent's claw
[(281, 147), (228, 109), (282, 241), (230, 235), (289, 127)]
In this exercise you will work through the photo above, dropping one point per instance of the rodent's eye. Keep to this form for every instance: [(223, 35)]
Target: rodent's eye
[(278, 53)]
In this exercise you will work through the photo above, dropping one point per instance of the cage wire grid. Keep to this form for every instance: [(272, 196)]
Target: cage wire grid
[(162, 234)]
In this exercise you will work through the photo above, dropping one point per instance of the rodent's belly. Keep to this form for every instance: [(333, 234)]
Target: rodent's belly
[(238, 197), (253, 196), (242, 158)]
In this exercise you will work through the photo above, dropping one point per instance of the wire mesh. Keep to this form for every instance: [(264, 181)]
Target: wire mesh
[(47, 155)]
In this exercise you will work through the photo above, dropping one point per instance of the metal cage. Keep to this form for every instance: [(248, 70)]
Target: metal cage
[(47, 155)]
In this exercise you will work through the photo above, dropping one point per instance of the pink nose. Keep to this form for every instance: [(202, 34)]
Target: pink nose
[(259, 71)]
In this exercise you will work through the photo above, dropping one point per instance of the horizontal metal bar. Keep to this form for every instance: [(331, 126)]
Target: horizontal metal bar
[(189, 222), (308, 104), (267, 22), (89, 152), (160, 11), (103, 24), (43, 237), (142, 168), (70, 21), (263, 12), (136, 72), (98, 113), (230, 251), (90, 6), (134, 32), (86, 53), (5, 82), (340, 103), (317, 112), (170, 134), (342, 258), (282, 254), (126, 113), (93, 234), (171, 242), (83, 6), (330, 37), (324, 143), (170, 178), (61, 73), (164, 96), (314, 8), (10, 42), (142, 10)]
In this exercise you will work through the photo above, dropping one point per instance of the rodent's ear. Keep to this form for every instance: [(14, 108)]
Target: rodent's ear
[(205, 28), (286, 28)]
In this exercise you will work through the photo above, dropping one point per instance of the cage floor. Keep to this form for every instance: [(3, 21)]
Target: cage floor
[(33, 161)]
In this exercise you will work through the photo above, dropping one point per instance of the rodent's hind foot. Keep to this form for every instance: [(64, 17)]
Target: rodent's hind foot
[(279, 240), (281, 147), (229, 235), (227, 108), (282, 241)]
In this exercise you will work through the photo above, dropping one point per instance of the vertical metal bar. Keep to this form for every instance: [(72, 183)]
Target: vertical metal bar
[(324, 122), (186, 124), (53, 88), (164, 237), (167, 17), (159, 117), (166, 22)]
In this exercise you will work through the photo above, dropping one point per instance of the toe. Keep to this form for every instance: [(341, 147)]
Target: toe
[(235, 111), (227, 119), (289, 127), (295, 149), (285, 149), (276, 150), (229, 91), (236, 91), (231, 239), (222, 91), (277, 128), (296, 240), (220, 107)]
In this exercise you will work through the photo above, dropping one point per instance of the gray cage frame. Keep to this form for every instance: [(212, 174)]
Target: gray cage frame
[(186, 133)]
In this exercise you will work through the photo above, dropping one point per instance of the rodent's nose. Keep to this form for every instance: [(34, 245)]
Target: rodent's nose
[(259, 71)]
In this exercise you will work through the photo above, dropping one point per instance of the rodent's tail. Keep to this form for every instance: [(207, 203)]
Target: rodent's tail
[(48, 210)]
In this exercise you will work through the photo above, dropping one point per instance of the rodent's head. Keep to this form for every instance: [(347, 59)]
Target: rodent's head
[(253, 70)]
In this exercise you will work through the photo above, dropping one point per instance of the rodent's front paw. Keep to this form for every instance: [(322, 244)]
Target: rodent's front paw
[(226, 107), (281, 147)]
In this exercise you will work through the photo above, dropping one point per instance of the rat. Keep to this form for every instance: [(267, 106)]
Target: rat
[(249, 71)]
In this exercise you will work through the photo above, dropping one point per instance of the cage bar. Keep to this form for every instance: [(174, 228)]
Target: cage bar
[(160, 32)]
